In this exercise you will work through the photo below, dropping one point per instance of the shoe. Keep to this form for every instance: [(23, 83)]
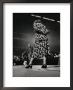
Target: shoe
[(28, 66), (44, 66)]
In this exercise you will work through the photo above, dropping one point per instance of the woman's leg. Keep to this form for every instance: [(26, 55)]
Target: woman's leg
[(31, 60), (44, 62), (30, 63)]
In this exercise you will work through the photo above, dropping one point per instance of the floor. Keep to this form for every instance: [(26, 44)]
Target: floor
[(36, 71)]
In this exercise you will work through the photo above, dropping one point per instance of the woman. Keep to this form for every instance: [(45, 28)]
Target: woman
[(40, 48)]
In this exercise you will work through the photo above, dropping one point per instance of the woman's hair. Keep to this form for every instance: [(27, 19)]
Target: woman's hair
[(39, 27)]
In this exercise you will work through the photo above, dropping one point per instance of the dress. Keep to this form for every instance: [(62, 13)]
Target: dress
[(41, 41)]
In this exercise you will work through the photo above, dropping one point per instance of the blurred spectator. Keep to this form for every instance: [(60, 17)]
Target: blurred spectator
[(16, 59), (57, 58)]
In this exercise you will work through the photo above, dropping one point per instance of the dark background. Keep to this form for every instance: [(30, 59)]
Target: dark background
[(1, 44), (23, 30)]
